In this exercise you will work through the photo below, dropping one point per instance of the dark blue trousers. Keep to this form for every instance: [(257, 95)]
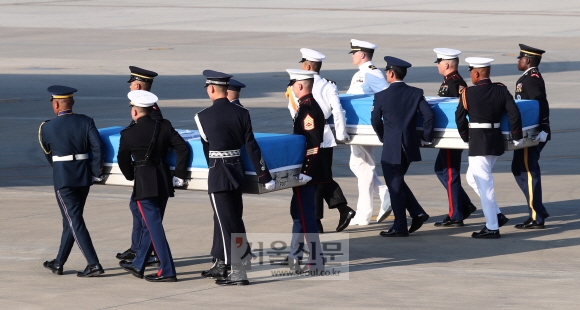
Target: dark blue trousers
[(302, 210), (153, 236), (137, 224), (401, 196), (526, 170), (71, 201), (448, 169)]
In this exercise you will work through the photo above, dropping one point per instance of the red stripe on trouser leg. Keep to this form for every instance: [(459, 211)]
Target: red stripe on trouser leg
[(449, 181), (150, 235), (303, 221)]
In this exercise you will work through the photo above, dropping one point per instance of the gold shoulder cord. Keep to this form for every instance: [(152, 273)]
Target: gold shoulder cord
[(463, 98), (40, 140)]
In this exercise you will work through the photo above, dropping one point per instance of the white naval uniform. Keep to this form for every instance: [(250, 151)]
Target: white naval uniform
[(368, 80), (479, 177)]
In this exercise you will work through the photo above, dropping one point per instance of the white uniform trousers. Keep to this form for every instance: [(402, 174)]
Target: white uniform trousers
[(362, 164), (479, 177)]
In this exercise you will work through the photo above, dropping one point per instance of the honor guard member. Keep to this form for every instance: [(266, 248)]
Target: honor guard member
[(309, 122), (72, 146), (394, 119), (448, 161), (234, 91), (142, 151), (140, 79), (368, 80), (325, 93), (525, 166), (484, 103), (225, 128)]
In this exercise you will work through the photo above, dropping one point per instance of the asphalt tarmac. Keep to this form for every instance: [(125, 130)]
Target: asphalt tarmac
[(90, 44)]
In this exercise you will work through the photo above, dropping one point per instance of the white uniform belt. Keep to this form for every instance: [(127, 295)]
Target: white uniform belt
[(70, 157), (484, 125), (224, 154)]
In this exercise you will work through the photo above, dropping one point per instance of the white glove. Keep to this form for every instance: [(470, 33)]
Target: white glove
[(95, 179), (270, 185), (177, 182), (302, 178), (423, 142), (518, 142), (346, 137), (542, 136)]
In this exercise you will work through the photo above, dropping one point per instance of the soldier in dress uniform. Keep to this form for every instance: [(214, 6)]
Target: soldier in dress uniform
[(142, 151), (484, 103), (234, 90), (525, 166), (368, 80), (325, 93), (225, 128), (72, 146), (448, 161), (140, 79), (394, 119), (309, 121)]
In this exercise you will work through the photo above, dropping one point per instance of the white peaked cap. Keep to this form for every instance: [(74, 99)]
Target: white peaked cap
[(299, 75), (142, 98), (479, 62), (358, 43), (312, 55), (446, 53)]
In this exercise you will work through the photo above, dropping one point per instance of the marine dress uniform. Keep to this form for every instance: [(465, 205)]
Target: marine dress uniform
[(146, 76), (325, 93), (72, 146), (368, 80), (448, 161), (225, 128), (309, 122), (484, 103), (394, 119), (525, 166), (142, 151)]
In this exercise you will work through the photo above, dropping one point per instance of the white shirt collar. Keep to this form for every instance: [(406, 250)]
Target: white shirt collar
[(366, 65)]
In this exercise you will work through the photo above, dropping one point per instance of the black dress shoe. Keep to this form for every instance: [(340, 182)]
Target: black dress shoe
[(486, 234), (446, 219), (393, 233), (502, 220), (418, 221), (320, 228), (128, 255), (449, 223), (153, 261), (52, 265), (218, 270), (467, 210), (530, 224), (91, 271), (236, 277), (155, 278), (128, 266), (345, 217)]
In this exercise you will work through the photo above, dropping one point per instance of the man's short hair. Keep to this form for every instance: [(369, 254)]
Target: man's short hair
[(368, 55), (143, 110), (316, 65), (400, 73), (454, 63)]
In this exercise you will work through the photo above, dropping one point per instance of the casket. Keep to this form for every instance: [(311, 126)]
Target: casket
[(282, 153), (358, 122)]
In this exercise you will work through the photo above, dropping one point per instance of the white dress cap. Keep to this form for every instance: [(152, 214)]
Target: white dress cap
[(478, 62), (311, 55), (299, 75), (142, 98), (358, 45), (446, 53)]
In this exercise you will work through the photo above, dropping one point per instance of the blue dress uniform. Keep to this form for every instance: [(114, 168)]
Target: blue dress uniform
[(225, 128), (72, 146), (448, 164), (394, 119), (142, 151), (236, 86), (525, 166), (146, 76)]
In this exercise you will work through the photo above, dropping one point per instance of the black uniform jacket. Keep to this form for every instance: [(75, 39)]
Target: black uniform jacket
[(451, 85), (531, 86), (227, 127), (485, 102), (309, 122), (152, 179), (72, 134), (394, 119), (156, 112)]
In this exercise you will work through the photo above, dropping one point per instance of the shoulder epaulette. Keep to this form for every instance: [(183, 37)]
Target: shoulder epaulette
[(372, 67), (535, 73), (40, 138), (330, 81)]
